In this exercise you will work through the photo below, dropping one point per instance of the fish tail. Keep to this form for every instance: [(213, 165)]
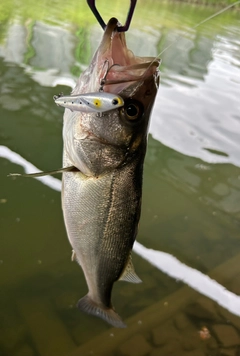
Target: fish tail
[(87, 305)]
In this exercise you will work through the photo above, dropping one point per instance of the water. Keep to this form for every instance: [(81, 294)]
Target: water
[(191, 198)]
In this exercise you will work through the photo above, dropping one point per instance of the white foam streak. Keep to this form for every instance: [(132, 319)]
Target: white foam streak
[(14, 157), (190, 276)]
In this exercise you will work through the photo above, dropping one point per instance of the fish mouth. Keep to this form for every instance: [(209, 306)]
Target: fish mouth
[(114, 67), (122, 67)]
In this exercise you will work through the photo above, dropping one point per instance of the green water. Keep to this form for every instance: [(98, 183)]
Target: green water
[(191, 197)]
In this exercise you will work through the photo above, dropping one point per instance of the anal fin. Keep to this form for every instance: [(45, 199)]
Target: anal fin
[(129, 274)]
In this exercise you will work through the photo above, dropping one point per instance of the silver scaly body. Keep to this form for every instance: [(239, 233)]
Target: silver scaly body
[(102, 201)]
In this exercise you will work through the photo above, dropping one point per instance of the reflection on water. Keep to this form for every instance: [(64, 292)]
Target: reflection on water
[(191, 195), (206, 71)]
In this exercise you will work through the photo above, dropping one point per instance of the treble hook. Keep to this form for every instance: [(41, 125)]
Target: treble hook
[(91, 4)]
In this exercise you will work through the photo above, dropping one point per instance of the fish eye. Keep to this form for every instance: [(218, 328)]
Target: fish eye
[(133, 110)]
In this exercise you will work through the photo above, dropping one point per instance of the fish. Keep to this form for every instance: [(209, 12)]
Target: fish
[(90, 102), (101, 198)]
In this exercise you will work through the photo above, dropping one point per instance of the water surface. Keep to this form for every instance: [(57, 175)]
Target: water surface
[(191, 197)]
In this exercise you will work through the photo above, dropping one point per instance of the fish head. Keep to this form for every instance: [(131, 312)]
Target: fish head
[(96, 143)]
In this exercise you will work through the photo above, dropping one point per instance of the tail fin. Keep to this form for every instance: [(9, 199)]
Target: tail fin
[(87, 305)]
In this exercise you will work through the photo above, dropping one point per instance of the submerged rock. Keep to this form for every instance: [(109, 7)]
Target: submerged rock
[(136, 346), (226, 335), (181, 321), (204, 308)]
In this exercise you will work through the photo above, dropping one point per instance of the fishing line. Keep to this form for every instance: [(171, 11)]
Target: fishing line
[(201, 23), (194, 27)]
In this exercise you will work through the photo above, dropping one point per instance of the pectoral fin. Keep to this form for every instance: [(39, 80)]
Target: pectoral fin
[(129, 274), (41, 174)]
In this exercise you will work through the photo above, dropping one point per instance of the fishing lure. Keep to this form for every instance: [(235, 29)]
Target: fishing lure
[(90, 102)]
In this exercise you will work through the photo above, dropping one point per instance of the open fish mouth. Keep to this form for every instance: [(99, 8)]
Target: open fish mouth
[(114, 67)]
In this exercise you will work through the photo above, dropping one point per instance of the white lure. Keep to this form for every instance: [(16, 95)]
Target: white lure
[(90, 102)]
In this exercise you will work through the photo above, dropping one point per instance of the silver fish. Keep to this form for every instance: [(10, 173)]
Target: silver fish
[(90, 102), (102, 201)]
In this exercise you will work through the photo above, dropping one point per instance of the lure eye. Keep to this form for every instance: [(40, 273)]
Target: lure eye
[(115, 101), (133, 110)]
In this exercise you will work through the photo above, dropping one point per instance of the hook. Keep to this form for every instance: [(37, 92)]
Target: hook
[(104, 79), (91, 4)]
